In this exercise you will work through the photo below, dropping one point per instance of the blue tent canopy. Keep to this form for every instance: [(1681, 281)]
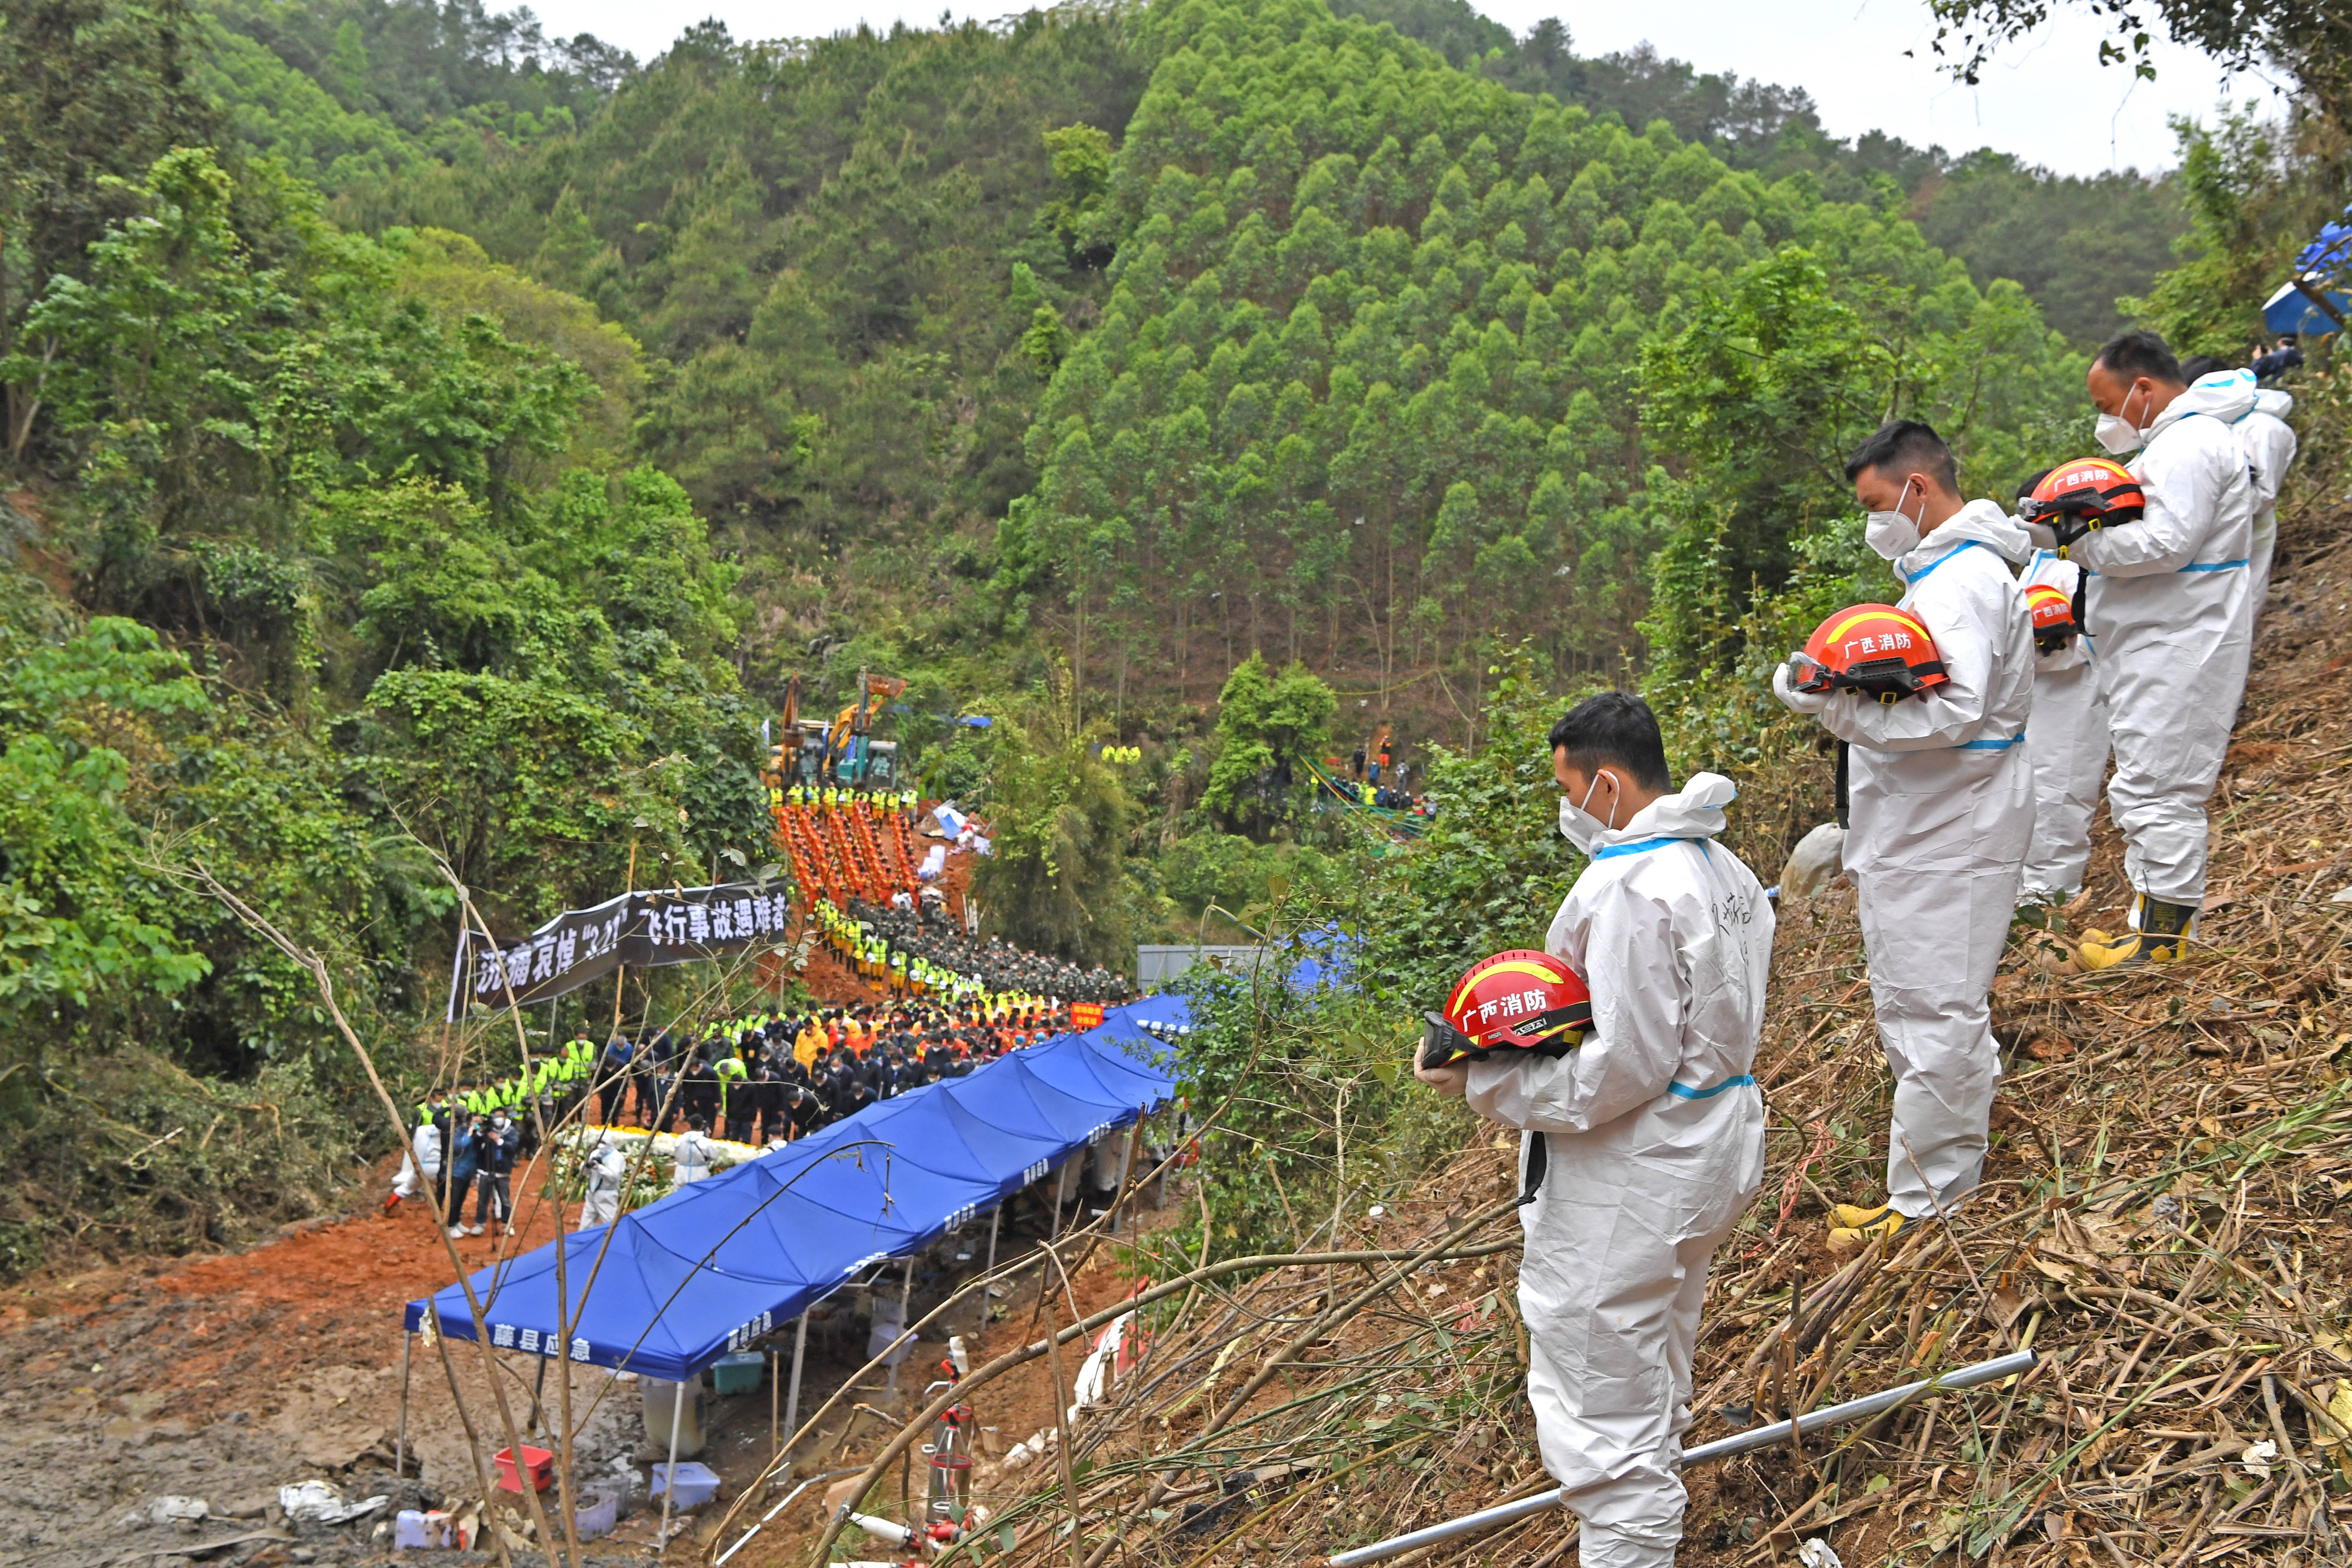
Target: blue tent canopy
[(2317, 267), (717, 1264), (1168, 1011), (2293, 311)]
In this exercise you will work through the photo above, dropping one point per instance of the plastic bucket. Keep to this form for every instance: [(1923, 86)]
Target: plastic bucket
[(540, 1462)]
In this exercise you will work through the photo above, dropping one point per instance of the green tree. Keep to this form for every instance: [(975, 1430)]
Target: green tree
[(1269, 727), (82, 920), (1060, 819), (1492, 867), (1781, 373), (2256, 192), (93, 91)]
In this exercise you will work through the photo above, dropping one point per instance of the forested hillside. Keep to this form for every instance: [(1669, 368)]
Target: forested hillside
[(431, 440)]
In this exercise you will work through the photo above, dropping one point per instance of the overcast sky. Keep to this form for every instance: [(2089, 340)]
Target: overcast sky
[(2049, 102)]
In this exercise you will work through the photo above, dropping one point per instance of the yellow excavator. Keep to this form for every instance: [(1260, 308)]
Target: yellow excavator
[(844, 752)]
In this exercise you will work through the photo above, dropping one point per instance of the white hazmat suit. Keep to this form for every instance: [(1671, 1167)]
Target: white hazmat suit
[(607, 1168), (2068, 749), (691, 1157), (2269, 444), (2169, 606), (1654, 1139), (425, 1157), (1942, 806)]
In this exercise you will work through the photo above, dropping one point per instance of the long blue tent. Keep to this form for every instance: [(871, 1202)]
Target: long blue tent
[(718, 1264)]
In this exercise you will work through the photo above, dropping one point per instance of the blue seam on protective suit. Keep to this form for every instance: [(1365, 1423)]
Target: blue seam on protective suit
[(1636, 848), (1679, 1092), (1963, 544), (2212, 565), (1990, 745)]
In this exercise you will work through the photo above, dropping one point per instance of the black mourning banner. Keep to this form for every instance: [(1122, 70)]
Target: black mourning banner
[(676, 925)]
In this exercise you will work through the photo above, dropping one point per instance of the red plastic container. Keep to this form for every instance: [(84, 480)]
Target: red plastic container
[(540, 1462)]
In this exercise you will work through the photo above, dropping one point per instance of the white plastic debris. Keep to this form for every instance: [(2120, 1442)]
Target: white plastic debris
[(1818, 1554), (316, 1502), (887, 1531), (2256, 1461), (1095, 1371), (168, 1510), (1817, 861)]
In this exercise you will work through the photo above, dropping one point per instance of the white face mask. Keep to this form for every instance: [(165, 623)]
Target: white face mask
[(2117, 433), (1891, 533), (1581, 829)]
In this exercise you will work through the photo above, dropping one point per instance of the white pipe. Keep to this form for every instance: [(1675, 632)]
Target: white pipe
[(906, 1296), (1721, 1448), (792, 1400), (400, 1444), (770, 1514), (889, 1532), (670, 1476), (995, 1219)]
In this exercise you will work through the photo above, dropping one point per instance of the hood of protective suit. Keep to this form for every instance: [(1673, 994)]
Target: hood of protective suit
[(2227, 395), (1979, 522), (1695, 810), (2270, 400)]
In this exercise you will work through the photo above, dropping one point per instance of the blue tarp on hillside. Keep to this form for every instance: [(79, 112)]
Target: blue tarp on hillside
[(717, 1264)]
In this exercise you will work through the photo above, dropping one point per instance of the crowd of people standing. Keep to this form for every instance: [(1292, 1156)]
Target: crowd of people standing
[(766, 1078)]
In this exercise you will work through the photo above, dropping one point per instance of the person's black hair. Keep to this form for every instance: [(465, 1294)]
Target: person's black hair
[(2133, 354), (1905, 446), (2196, 367), (1614, 728), (2033, 482)]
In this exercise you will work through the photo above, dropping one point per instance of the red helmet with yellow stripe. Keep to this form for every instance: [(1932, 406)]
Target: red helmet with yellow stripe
[(2053, 616), (2075, 498), (1873, 649), (1516, 1001)]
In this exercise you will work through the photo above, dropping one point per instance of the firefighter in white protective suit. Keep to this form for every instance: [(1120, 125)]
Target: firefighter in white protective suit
[(1644, 1145), (607, 1169), (1942, 806), (2171, 605), (2269, 444), (2070, 735)]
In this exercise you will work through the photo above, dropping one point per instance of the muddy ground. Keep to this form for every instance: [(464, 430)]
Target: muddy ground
[(226, 1378)]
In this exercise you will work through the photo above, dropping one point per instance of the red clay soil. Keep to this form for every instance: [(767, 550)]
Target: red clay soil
[(226, 1378)]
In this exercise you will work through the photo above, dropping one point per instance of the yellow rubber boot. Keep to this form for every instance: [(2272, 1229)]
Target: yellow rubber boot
[(2162, 932), (1846, 1238)]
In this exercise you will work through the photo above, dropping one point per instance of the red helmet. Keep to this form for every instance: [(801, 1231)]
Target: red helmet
[(2075, 498), (2054, 617), (1516, 1001), (1873, 648)]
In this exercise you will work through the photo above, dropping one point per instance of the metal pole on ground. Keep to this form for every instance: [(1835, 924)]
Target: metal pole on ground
[(1738, 1443), (793, 1399), (400, 1444), (670, 1476)]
